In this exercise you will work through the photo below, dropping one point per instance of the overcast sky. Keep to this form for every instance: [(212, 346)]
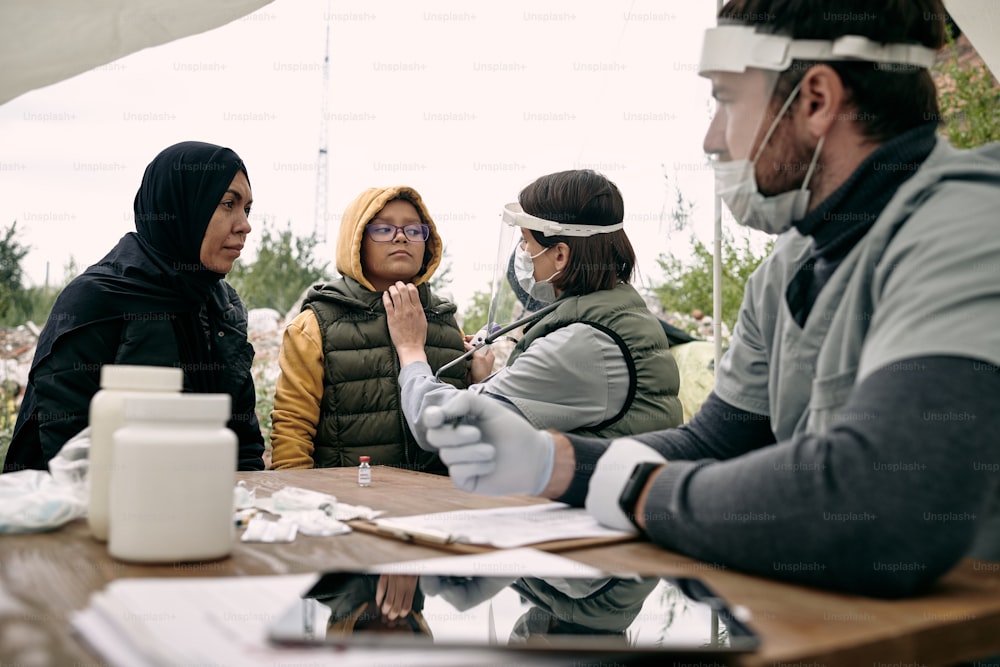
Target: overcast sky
[(467, 102)]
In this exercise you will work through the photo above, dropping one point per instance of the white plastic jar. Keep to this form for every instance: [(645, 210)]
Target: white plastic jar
[(107, 415), (173, 480)]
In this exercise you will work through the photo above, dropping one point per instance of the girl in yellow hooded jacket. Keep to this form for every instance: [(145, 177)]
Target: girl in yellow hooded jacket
[(337, 396)]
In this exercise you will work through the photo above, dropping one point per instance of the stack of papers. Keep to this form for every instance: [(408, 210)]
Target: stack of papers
[(503, 527), (224, 621)]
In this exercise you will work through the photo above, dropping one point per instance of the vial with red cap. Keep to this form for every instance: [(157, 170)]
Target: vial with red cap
[(365, 471)]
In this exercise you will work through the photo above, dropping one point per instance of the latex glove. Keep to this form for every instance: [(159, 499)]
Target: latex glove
[(611, 474), (464, 592), (488, 448)]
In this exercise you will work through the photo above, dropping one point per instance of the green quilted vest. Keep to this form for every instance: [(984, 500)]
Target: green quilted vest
[(360, 410), (652, 403)]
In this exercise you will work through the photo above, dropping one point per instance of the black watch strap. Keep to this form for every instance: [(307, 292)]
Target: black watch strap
[(634, 486)]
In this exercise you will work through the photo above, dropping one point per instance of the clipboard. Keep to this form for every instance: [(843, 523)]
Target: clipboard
[(552, 527)]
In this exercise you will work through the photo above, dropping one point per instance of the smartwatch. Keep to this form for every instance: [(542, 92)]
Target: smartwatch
[(634, 486)]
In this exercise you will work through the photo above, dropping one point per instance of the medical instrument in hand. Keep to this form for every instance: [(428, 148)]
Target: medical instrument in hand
[(498, 333), (480, 338)]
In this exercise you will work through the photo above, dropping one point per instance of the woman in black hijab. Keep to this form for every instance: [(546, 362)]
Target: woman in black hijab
[(157, 299)]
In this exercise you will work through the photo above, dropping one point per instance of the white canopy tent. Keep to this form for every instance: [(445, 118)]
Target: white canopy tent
[(45, 41), (979, 21)]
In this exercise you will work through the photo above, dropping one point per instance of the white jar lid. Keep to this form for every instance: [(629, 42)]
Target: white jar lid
[(182, 408), (146, 378)]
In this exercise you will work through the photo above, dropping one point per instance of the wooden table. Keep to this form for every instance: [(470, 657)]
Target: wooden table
[(44, 577)]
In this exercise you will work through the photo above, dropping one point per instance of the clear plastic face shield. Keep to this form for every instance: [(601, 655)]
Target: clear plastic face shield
[(515, 302), (517, 292), (508, 301), (762, 173)]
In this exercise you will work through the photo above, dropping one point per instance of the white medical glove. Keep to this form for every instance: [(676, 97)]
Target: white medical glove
[(611, 473), (488, 448), (464, 592)]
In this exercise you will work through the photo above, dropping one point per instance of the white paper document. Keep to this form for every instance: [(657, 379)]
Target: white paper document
[(524, 562), (503, 527), (223, 621)]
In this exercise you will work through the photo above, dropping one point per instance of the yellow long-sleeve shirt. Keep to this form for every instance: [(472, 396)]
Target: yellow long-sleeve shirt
[(297, 393)]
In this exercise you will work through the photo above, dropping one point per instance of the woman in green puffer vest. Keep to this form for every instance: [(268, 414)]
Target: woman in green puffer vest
[(596, 361)]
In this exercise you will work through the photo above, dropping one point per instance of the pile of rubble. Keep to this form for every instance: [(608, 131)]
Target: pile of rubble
[(264, 329), (17, 348)]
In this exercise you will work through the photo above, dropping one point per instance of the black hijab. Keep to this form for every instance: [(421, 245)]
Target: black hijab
[(157, 268)]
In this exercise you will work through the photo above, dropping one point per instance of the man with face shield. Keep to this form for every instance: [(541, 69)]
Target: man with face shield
[(594, 360), (846, 440)]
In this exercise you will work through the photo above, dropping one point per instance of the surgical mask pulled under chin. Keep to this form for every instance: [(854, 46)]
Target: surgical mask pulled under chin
[(524, 269)]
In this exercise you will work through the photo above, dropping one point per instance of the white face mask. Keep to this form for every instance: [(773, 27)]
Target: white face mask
[(736, 183), (524, 271)]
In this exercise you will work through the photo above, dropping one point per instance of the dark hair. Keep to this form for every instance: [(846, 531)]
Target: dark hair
[(889, 99), (583, 197)]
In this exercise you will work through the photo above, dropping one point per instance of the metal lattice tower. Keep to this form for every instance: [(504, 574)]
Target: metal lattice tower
[(320, 214)]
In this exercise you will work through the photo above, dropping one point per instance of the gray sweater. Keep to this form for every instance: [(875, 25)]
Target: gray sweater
[(548, 385)]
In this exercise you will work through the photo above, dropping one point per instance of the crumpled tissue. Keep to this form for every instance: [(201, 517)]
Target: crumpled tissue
[(316, 514), (38, 500)]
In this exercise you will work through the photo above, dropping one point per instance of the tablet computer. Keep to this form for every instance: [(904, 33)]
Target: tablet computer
[(607, 616)]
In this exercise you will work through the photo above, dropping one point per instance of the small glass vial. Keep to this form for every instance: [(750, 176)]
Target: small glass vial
[(365, 471)]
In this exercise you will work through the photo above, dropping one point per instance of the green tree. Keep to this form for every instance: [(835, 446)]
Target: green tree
[(26, 303), (441, 279), (36, 302), (11, 273), (284, 267), (688, 285), (969, 98), (474, 317), (19, 303)]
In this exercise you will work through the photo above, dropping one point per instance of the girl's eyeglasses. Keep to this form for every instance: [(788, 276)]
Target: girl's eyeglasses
[(382, 232)]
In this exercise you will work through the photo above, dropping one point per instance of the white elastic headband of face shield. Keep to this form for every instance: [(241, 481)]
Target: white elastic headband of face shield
[(515, 216), (734, 48)]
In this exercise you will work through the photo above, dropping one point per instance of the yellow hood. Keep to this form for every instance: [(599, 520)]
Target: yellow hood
[(352, 229)]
